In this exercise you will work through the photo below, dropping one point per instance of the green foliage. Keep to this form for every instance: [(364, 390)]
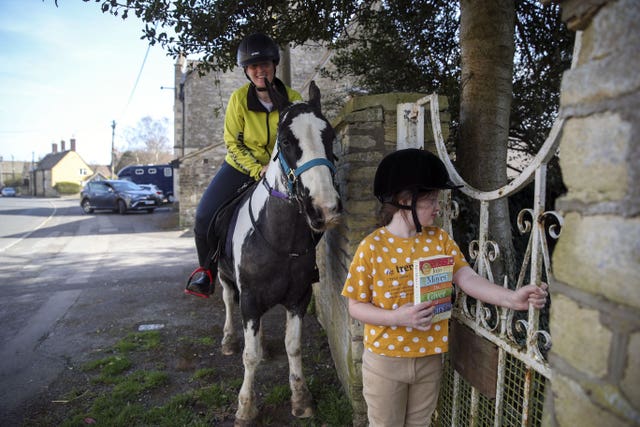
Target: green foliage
[(400, 45), (67, 187), (109, 367), (278, 395), (212, 29), (139, 341), (204, 373)]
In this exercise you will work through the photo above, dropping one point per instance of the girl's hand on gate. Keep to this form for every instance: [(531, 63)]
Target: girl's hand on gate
[(530, 294), (416, 316)]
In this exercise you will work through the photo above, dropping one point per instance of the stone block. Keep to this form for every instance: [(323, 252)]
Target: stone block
[(600, 255), (362, 141), (363, 174), (609, 48), (366, 156), (573, 406), (574, 329), (630, 383), (582, 85), (593, 157), (366, 116)]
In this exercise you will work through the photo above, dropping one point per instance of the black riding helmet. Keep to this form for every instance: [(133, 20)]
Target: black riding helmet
[(257, 48), (410, 169)]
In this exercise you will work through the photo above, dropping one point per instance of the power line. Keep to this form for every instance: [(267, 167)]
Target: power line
[(135, 85)]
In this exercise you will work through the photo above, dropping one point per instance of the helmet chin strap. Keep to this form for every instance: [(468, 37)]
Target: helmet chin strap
[(412, 208), (414, 213)]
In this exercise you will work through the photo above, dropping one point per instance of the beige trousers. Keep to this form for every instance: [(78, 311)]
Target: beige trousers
[(400, 391)]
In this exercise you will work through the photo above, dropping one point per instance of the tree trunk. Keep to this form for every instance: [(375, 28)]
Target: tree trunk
[(487, 48)]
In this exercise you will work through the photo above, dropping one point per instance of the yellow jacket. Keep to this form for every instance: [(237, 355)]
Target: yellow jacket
[(250, 130)]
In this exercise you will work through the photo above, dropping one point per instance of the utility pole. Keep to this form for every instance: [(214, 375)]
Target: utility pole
[(113, 150)]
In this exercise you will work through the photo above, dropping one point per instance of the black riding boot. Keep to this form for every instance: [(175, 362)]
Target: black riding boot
[(202, 280)]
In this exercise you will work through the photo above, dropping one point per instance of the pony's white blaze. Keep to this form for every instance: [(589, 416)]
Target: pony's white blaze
[(308, 128)]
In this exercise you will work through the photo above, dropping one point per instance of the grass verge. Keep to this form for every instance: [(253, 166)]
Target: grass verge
[(136, 383)]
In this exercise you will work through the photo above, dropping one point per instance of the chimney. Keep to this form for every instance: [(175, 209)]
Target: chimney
[(72, 142), (54, 147), (62, 144)]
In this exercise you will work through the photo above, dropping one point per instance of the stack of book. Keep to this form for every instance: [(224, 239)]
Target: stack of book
[(433, 281)]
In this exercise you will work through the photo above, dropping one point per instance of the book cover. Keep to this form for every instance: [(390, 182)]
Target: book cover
[(433, 281)]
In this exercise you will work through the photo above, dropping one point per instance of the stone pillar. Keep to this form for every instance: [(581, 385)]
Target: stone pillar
[(595, 316)]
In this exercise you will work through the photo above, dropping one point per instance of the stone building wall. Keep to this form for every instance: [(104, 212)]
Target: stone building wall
[(595, 313), (196, 170), (366, 129)]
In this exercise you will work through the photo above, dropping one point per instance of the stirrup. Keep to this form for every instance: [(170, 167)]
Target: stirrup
[(196, 271)]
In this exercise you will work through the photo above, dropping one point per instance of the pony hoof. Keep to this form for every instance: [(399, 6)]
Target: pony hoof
[(302, 412), (243, 423), (302, 408), (229, 347)]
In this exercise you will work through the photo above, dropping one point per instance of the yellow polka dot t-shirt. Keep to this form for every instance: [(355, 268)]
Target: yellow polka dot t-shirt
[(381, 273)]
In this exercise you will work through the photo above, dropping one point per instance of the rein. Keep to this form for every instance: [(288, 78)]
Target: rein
[(274, 249)]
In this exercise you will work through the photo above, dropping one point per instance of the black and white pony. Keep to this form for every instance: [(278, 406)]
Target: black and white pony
[(271, 258)]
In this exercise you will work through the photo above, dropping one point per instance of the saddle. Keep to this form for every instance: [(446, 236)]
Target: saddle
[(222, 224)]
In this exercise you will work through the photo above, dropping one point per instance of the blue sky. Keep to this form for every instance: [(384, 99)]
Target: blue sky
[(68, 72)]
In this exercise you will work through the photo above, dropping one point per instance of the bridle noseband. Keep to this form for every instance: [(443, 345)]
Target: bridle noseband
[(293, 174)]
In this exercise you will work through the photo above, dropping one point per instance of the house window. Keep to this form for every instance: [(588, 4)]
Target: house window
[(151, 171), (167, 171), (139, 171), (83, 172)]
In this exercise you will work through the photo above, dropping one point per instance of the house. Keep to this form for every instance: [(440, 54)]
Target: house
[(59, 166), (100, 173)]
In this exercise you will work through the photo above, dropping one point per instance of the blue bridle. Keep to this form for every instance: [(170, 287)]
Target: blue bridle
[(293, 174)]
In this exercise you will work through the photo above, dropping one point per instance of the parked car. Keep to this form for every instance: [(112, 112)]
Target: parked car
[(155, 192), (8, 192), (117, 195)]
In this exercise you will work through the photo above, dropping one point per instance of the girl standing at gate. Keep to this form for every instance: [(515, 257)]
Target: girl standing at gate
[(402, 358)]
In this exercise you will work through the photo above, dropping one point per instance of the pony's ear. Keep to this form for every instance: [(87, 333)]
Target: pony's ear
[(279, 102), (314, 96)]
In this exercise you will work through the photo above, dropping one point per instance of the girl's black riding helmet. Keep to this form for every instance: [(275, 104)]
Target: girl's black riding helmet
[(257, 47), (410, 169)]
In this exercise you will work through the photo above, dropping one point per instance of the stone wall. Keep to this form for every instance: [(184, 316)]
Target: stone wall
[(595, 316), (366, 129), (196, 170)]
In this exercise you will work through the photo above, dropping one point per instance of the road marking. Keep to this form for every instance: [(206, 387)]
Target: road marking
[(29, 233)]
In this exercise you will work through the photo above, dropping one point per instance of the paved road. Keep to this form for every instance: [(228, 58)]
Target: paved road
[(64, 275)]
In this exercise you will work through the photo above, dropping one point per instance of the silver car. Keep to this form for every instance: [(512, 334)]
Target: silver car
[(116, 195)]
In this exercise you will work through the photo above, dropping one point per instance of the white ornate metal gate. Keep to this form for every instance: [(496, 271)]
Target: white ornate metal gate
[(522, 373)]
